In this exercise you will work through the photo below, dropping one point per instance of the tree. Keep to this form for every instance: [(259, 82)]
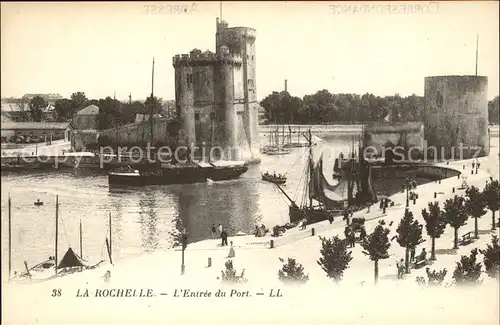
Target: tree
[(494, 111), (78, 102), (434, 277), (108, 113), (37, 103), (491, 195), (409, 235), (468, 270), (335, 257), (152, 104), (455, 214), (128, 111), (63, 108), (435, 223), (492, 257), (475, 204), (376, 246), (292, 272), (230, 275)]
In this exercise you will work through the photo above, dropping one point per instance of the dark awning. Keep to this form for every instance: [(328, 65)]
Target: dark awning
[(70, 259)]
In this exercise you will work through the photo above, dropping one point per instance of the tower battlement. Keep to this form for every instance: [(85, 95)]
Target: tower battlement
[(206, 58)]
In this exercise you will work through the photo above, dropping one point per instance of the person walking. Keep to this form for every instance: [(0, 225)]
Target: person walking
[(219, 234), (231, 251), (401, 268), (223, 236), (412, 254), (304, 224), (214, 231)]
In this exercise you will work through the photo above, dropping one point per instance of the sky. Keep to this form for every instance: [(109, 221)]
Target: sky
[(345, 47)]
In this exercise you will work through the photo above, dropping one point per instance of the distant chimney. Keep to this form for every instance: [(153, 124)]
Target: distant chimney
[(286, 85)]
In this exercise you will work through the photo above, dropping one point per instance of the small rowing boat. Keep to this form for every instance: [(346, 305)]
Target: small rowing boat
[(276, 179)]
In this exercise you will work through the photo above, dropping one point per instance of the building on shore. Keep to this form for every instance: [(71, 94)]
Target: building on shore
[(215, 94), (456, 116), (85, 124), (36, 131), (21, 112)]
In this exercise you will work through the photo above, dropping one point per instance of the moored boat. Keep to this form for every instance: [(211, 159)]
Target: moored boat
[(183, 173), (325, 208)]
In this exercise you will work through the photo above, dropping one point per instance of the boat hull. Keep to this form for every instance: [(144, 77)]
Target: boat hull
[(275, 180), (168, 176), (176, 175), (224, 173), (312, 215)]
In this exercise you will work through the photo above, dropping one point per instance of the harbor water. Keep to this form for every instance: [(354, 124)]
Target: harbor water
[(144, 219)]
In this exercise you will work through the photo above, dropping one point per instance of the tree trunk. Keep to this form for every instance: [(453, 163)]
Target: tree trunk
[(455, 241), (493, 227), (433, 249), (476, 234), (376, 272), (407, 268)]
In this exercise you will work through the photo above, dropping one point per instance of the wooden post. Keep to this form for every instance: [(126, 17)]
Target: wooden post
[(57, 230), (183, 268), (110, 235), (453, 190), (209, 262), (109, 252), (28, 270), (81, 246), (10, 238), (312, 232), (271, 244)]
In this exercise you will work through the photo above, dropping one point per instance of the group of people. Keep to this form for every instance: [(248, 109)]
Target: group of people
[(476, 164), (219, 233), (260, 231), (274, 175), (400, 265), (350, 234)]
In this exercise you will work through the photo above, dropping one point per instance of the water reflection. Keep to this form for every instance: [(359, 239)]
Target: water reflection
[(148, 219)]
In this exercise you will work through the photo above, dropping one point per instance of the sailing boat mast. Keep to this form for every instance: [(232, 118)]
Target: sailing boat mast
[(211, 135), (81, 246), (110, 234), (151, 103), (10, 239), (57, 230), (310, 165), (477, 50)]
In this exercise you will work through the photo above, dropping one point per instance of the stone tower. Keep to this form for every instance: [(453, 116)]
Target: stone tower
[(215, 95), (456, 116), (241, 41)]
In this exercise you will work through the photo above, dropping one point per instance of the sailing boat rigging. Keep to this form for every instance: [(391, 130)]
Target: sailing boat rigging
[(43, 271), (312, 191)]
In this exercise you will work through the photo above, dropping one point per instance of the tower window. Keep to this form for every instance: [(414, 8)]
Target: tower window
[(189, 79), (252, 57), (197, 116)]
